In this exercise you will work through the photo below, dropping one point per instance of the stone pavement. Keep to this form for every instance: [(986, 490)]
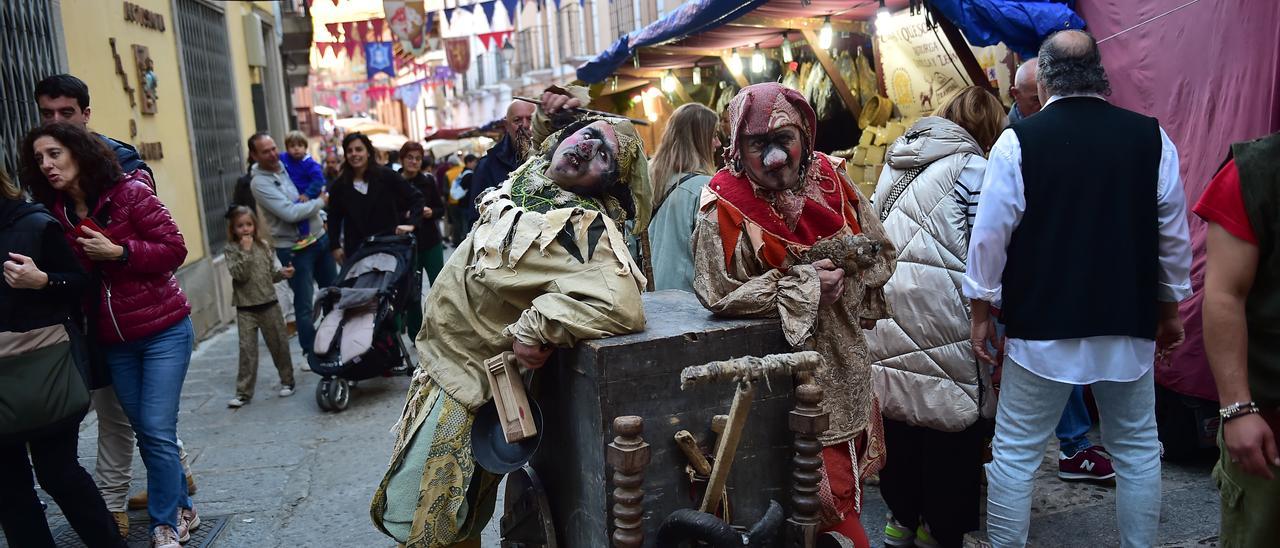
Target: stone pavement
[(287, 474)]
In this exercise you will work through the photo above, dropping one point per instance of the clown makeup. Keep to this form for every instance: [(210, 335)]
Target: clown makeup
[(584, 159), (772, 160)]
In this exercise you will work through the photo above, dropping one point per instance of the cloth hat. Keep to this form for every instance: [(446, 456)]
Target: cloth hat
[(761, 108), (633, 168)]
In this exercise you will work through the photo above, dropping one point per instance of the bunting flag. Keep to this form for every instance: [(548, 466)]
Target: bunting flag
[(377, 27), (333, 29), (448, 15), (557, 5), (491, 39), (489, 8), (377, 58), (348, 31), (431, 23), (510, 6), (407, 25), (410, 94), (458, 53), (350, 46), (362, 31)]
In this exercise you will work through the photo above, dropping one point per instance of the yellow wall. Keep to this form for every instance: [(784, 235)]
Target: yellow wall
[(87, 25), (240, 64)]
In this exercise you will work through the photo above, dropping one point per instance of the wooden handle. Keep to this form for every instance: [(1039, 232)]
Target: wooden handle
[(689, 447)]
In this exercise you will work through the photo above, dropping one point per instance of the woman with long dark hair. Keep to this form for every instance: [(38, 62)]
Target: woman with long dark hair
[(368, 199), (44, 397), (125, 237)]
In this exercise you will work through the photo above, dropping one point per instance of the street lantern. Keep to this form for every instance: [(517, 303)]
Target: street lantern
[(508, 51), (786, 49)]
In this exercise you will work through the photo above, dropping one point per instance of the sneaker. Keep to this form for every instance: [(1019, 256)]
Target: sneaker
[(286, 391), (237, 402), (924, 539), (164, 536), (122, 523), (188, 521), (976, 539), (897, 534), (1091, 464)]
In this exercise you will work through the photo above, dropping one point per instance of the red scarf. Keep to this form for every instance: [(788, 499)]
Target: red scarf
[(739, 204)]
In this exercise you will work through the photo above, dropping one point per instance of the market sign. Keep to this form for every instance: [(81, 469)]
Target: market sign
[(921, 70)]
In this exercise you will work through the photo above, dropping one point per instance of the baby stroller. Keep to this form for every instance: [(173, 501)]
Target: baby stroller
[(358, 335)]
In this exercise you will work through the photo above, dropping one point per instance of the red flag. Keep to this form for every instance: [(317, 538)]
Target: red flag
[(362, 28), (335, 3), (348, 31), (377, 29), (332, 28), (458, 53), (350, 45)]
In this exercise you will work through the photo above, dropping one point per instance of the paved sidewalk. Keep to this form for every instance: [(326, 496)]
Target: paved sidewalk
[(288, 474)]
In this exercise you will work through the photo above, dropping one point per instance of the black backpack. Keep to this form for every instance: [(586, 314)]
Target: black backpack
[(243, 193)]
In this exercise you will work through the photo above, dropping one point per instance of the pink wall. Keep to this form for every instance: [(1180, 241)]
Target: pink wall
[(1210, 73)]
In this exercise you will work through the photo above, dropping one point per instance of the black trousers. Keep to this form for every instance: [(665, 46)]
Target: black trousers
[(933, 476), (54, 455)]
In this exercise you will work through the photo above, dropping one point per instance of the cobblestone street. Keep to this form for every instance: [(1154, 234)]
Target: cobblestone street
[(285, 473)]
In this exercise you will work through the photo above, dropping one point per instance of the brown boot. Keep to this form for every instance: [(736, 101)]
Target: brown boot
[(122, 523), (139, 501)]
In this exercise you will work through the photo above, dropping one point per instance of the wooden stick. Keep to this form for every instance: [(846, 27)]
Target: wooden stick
[(635, 121), (728, 445), (689, 446)]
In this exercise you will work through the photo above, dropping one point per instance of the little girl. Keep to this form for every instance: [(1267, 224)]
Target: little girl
[(254, 269)]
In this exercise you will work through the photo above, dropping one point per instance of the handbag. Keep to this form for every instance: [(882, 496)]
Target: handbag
[(40, 388)]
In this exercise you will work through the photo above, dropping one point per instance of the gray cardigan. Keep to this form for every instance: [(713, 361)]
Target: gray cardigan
[(278, 203)]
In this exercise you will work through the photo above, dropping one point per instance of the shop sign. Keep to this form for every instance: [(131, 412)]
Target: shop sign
[(921, 70), (134, 13)]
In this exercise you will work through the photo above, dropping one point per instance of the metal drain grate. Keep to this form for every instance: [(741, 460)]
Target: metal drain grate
[(139, 532)]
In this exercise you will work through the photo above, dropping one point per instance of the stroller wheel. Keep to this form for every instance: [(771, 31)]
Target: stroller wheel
[(339, 394), (322, 394)]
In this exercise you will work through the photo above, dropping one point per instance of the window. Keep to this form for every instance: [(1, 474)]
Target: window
[(569, 27), (529, 50), (622, 18), (648, 11)]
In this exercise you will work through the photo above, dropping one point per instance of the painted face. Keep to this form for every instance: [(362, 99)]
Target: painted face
[(297, 151), (584, 158), (266, 154), (57, 164), (62, 109), (243, 226), (357, 155), (412, 163), (772, 160)]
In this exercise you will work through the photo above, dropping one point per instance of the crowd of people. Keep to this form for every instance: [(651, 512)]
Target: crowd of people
[(971, 309)]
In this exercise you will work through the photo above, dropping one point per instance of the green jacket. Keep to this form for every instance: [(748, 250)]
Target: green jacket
[(253, 274)]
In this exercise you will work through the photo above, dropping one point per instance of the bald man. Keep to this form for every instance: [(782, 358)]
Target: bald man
[(1025, 99), (504, 157)]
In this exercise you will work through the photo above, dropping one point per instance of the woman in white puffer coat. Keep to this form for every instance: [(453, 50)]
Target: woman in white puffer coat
[(933, 391)]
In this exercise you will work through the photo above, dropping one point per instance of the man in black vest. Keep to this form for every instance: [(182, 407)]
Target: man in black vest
[(1242, 336), (1101, 184)]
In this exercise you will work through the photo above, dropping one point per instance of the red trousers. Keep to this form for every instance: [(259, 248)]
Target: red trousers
[(838, 466)]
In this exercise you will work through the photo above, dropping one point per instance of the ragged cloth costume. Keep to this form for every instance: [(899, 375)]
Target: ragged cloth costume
[(747, 249), (541, 266)]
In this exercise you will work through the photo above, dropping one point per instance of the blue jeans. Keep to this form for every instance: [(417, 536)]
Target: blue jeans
[(1029, 405), (312, 265), (148, 375), (1073, 427)]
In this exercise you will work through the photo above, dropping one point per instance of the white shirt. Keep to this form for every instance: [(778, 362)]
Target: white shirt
[(1090, 359)]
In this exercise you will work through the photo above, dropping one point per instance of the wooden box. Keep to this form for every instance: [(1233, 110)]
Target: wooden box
[(583, 389)]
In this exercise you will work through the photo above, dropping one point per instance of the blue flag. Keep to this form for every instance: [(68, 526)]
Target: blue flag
[(489, 8), (378, 58), (511, 5)]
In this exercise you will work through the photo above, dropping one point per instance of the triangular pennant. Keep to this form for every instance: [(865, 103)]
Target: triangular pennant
[(557, 5), (348, 31), (362, 31), (488, 8), (431, 22), (511, 6), (582, 4), (332, 28), (377, 28), (350, 46), (335, 3), (448, 15)]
